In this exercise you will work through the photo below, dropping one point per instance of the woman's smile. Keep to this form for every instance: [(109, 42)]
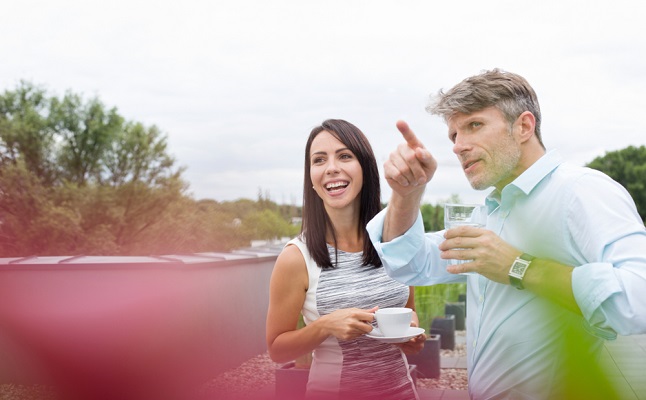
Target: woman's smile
[(336, 188)]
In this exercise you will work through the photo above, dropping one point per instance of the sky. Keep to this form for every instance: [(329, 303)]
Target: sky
[(238, 85)]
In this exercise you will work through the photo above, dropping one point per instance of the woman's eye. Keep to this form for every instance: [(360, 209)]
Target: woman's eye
[(346, 156), (317, 160)]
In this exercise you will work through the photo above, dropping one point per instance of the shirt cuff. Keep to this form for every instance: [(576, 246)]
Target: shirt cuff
[(400, 251), (592, 284)]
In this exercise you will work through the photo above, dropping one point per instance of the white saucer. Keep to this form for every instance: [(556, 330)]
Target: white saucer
[(412, 332)]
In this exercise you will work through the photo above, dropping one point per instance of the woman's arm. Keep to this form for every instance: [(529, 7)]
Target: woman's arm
[(287, 289)]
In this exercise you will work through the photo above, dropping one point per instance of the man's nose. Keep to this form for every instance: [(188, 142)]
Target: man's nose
[(459, 145)]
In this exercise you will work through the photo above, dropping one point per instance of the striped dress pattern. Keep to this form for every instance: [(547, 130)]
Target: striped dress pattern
[(361, 368)]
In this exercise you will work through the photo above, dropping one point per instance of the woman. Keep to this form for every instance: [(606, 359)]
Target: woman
[(333, 276)]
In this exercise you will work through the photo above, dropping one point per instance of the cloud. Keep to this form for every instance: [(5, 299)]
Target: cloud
[(237, 86)]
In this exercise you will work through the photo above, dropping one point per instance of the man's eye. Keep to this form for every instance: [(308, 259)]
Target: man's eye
[(476, 124), (452, 137)]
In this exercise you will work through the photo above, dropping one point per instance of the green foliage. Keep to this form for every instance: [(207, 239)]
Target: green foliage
[(433, 217), (85, 132), (77, 178), (26, 132), (267, 224), (628, 168), (430, 300)]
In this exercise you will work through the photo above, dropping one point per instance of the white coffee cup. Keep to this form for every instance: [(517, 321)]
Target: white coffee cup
[(394, 321)]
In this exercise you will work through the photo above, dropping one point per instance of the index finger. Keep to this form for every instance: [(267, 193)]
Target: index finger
[(408, 135)]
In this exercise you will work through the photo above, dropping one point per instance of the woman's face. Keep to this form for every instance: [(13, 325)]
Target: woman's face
[(335, 171)]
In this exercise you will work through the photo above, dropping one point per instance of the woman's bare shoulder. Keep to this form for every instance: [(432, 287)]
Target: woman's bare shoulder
[(290, 266)]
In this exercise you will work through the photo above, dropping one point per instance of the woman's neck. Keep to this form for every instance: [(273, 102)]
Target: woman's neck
[(346, 226)]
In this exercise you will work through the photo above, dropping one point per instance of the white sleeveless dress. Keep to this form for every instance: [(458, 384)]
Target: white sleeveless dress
[(362, 368)]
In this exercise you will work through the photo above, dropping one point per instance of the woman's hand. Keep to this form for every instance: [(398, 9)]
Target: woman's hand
[(348, 323), (413, 346)]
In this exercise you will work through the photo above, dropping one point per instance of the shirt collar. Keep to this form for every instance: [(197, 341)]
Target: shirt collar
[(530, 178)]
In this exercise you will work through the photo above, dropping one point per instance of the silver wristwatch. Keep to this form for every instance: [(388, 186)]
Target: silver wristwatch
[(518, 269)]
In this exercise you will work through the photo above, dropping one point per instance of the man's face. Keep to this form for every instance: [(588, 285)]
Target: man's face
[(486, 147)]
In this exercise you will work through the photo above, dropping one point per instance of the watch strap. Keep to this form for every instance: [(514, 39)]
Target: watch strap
[(526, 257)]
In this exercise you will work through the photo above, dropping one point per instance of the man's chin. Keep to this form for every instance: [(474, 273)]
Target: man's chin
[(479, 185)]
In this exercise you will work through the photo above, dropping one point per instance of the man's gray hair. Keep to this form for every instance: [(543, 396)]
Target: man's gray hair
[(508, 92)]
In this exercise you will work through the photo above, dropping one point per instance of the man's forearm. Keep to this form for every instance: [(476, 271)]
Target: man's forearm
[(402, 213), (554, 281)]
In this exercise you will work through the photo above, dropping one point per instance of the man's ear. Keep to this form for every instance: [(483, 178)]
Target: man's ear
[(525, 126)]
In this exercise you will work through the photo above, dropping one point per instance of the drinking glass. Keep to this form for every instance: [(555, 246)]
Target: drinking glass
[(464, 215)]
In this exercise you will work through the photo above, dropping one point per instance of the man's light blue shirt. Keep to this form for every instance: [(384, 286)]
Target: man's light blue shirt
[(573, 215)]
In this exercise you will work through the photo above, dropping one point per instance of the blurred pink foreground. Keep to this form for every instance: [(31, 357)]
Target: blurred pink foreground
[(131, 327)]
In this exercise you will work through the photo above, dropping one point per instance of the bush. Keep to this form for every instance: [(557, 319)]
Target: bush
[(430, 300)]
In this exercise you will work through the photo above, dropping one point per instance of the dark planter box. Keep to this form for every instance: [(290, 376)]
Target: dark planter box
[(459, 310), (427, 361), (291, 382), (445, 327)]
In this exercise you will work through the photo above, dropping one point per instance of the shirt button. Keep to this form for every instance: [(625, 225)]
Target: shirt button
[(474, 343), (481, 298)]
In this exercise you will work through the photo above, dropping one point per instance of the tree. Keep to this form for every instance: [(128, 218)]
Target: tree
[(628, 168), (139, 154), (85, 130), (77, 178), (26, 132)]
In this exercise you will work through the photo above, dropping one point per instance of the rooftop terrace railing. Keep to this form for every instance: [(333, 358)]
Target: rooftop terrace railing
[(167, 322)]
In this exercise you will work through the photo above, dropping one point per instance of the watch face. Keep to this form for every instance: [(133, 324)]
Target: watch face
[(519, 267)]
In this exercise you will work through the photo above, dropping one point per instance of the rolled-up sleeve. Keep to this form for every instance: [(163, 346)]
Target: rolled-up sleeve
[(611, 294), (610, 285), (412, 258)]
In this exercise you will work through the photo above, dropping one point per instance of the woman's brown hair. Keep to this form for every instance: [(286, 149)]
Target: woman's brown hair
[(315, 218)]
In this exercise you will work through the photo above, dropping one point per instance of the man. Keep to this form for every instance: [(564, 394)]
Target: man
[(572, 235)]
